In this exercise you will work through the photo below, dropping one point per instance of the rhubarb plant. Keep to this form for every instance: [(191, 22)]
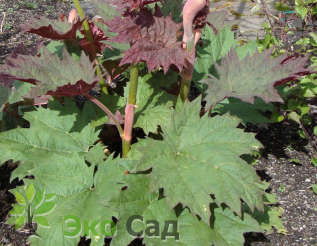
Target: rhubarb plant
[(179, 166)]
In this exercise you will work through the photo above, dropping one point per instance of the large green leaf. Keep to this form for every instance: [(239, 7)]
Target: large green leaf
[(157, 218), (53, 148), (90, 207), (215, 47), (253, 76), (133, 201), (199, 157), (173, 8), (227, 229), (189, 230), (230, 228), (12, 93), (153, 103), (249, 48)]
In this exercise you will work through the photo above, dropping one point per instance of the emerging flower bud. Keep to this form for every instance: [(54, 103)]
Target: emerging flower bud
[(72, 16), (190, 10)]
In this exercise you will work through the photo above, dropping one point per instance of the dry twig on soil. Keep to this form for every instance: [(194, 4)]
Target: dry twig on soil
[(2, 22)]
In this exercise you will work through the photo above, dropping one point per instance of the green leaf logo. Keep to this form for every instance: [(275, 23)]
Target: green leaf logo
[(32, 206)]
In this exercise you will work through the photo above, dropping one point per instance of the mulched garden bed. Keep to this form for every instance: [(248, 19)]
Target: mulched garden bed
[(285, 161)]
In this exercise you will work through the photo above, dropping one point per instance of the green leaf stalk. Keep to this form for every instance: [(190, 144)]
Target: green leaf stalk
[(81, 14)]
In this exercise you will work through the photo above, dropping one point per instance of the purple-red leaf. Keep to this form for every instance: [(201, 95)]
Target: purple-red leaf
[(48, 72), (130, 28), (153, 39), (53, 29), (80, 88), (253, 76), (126, 7)]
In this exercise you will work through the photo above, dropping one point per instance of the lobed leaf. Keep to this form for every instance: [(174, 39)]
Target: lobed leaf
[(215, 47), (227, 228), (153, 39), (53, 29), (88, 206), (159, 47), (134, 200), (153, 103), (195, 152), (129, 28), (48, 72), (230, 228), (52, 138), (173, 8), (253, 76)]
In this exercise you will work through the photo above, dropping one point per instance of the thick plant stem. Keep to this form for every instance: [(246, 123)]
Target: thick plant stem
[(81, 14), (190, 38), (187, 73), (107, 111), (129, 110), (185, 88)]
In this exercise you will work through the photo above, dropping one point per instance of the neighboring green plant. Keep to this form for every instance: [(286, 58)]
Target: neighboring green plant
[(308, 45), (297, 94), (314, 187), (49, 10), (305, 8), (10, 10), (270, 41), (31, 5), (282, 188), (7, 27)]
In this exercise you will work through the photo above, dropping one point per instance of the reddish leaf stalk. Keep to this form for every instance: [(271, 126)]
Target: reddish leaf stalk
[(186, 76), (90, 38), (107, 111), (129, 110), (187, 73), (150, 1)]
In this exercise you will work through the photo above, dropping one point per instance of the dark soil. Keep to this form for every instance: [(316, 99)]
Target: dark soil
[(285, 161), (18, 12), (286, 164)]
